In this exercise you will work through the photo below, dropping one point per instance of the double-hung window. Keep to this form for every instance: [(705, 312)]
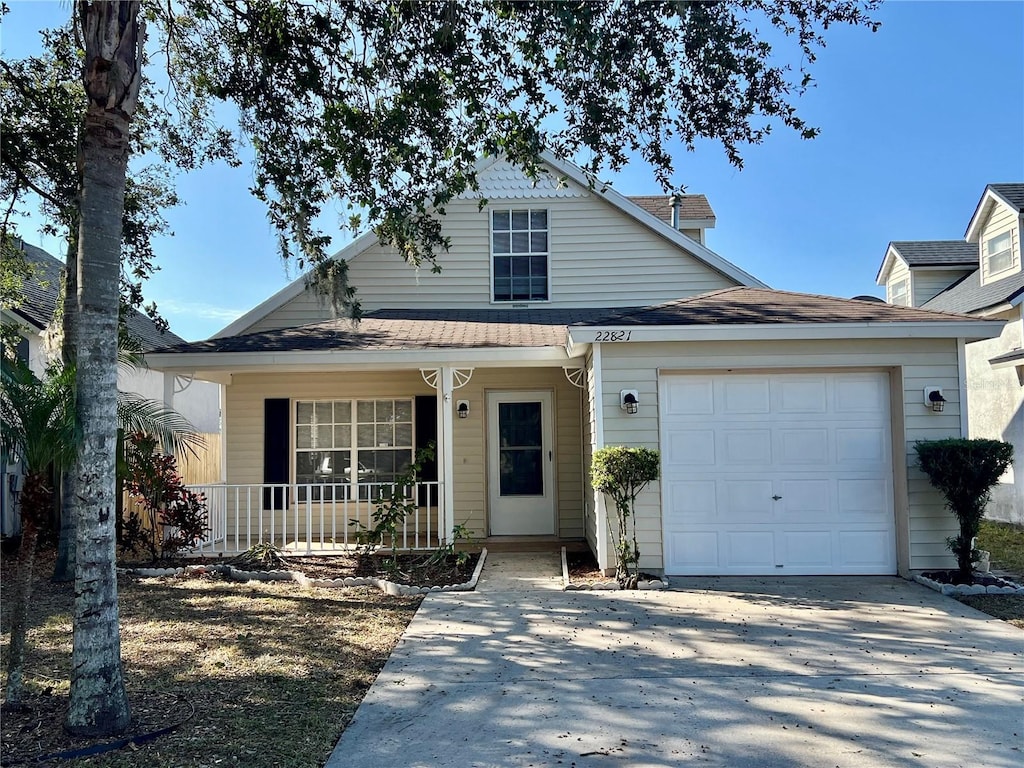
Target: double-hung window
[(998, 253), (519, 253), (344, 447), (899, 292)]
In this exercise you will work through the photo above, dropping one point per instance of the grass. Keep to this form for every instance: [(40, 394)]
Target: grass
[(272, 671), (1005, 543)]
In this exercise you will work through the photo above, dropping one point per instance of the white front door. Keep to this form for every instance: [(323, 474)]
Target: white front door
[(520, 457)]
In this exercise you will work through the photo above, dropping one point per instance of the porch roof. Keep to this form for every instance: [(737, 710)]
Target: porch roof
[(396, 329)]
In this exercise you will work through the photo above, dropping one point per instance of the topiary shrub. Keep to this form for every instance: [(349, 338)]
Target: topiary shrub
[(622, 473), (964, 471)]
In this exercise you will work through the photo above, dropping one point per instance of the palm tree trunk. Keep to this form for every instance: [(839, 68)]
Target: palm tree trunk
[(35, 502), (112, 71), (64, 568)]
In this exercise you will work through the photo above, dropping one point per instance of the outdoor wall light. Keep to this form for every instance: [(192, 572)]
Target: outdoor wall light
[(933, 399), (462, 408), (629, 401)]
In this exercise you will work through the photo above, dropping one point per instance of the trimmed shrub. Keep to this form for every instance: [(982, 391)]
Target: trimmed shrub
[(964, 471)]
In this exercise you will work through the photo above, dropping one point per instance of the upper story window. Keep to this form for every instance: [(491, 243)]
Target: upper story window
[(998, 253), (899, 292), (519, 254)]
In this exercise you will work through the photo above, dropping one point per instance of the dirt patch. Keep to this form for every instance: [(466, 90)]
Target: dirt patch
[(1009, 608), (273, 671), (583, 570)]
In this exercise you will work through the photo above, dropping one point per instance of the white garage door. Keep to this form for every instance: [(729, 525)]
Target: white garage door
[(783, 474)]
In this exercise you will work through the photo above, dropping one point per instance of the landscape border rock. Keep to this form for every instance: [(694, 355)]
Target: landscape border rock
[(604, 586), (955, 590), (385, 585)]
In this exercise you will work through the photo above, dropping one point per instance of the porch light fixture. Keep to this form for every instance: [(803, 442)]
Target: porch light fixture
[(462, 408), (933, 399), (629, 401)]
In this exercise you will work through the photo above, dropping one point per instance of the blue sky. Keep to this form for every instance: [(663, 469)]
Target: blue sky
[(915, 120)]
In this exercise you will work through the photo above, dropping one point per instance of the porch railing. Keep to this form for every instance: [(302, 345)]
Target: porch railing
[(312, 518)]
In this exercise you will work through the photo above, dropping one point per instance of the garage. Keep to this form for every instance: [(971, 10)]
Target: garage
[(780, 474)]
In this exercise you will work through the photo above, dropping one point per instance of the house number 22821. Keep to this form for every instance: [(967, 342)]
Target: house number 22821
[(612, 336)]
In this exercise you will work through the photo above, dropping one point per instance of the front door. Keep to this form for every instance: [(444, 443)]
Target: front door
[(520, 457)]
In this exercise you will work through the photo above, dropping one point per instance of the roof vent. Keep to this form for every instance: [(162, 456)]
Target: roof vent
[(675, 200)]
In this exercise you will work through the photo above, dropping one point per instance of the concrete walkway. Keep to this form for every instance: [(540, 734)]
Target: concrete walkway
[(744, 673), (521, 572)]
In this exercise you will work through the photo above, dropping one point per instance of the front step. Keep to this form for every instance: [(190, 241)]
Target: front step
[(525, 544)]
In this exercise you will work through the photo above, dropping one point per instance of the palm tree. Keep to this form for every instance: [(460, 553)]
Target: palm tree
[(37, 417), (37, 422)]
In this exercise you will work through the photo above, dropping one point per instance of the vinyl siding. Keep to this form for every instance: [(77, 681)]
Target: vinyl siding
[(929, 283), (899, 271), (914, 364), (1000, 220), (599, 257), (244, 417)]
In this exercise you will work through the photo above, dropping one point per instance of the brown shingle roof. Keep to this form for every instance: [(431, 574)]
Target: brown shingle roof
[(396, 329), (690, 206), (760, 306)]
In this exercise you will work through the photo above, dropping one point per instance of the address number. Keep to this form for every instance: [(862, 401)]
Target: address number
[(612, 336)]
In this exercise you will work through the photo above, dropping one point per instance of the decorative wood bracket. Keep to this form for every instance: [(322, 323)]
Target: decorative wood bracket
[(576, 376), (461, 377), (430, 376)]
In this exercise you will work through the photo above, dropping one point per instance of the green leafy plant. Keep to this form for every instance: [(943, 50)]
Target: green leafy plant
[(460, 532), (394, 503), (176, 517), (623, 473), (965, 472)]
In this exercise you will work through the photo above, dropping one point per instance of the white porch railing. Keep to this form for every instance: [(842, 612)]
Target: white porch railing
[(311, 519)]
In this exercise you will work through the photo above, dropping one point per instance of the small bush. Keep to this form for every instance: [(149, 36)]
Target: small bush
[(623, 473), (964, 471)]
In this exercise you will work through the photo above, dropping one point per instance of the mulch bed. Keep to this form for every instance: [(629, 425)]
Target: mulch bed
[(953, 577), (583, 569), (412, 569)]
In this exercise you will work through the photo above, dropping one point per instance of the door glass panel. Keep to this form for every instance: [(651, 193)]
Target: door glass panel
[(521, 449)]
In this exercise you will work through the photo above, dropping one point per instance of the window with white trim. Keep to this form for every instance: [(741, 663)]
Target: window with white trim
[(899, 292), (519, 254), (329, 443), (999, 253)]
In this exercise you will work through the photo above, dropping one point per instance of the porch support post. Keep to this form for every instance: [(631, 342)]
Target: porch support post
[(168, 389), (446, 449)]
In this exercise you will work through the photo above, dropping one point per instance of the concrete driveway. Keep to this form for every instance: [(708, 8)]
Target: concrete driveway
[(717, 672)]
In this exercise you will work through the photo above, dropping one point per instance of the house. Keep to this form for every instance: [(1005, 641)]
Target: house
[(198, 401), (980, 276), (567, 318)]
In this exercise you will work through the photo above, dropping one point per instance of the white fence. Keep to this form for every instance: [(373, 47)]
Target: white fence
[(312, 519)]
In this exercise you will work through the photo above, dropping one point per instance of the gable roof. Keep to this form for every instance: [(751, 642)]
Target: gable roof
[(928, 253), (690, 206), (969, 295), (42, 290), (1008, 194), (561, 167)]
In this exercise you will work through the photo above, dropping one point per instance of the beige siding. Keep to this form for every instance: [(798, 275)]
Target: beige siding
[(599, 258), (1000, 220), (244, 416), (929, 283), (899, 271), (995, 400), (916, 363)]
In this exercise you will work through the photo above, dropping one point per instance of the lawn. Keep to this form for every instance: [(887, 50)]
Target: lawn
[(262, 674), (1005, 542)]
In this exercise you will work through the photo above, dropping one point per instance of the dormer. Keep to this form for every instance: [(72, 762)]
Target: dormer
[(690, 214), (917, 270), (995, 229)]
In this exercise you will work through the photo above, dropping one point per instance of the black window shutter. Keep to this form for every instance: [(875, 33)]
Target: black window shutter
[(426, 433), (276, 422)]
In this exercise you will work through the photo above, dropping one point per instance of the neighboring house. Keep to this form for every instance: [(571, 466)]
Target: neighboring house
[(198, 401), (981, 276), (566, 319)]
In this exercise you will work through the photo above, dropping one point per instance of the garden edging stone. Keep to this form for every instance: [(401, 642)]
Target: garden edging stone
[(385, 585), (968, 589)]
